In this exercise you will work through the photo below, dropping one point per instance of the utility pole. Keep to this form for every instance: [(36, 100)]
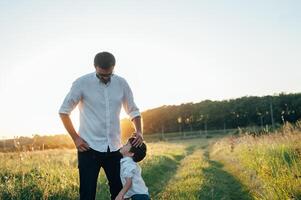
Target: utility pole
[(179, 120), (206, 119), (272, 114), (260, 115), (4, 145), (162, 131)]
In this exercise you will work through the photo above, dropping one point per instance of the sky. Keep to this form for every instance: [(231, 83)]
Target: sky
[(170, 52)]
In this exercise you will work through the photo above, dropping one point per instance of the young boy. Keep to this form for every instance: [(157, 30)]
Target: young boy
[(130, 172)]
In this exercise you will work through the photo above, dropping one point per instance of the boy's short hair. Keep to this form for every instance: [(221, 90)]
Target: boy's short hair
[(139, 152), (104, 60)]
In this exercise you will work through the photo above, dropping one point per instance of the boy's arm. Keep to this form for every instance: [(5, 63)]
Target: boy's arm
[(126, 187)]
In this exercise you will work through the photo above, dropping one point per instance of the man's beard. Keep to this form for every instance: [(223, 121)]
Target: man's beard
[(105, 81)]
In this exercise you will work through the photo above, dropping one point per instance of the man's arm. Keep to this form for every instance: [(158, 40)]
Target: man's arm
[(80, 144), (132, 110), (137, 121), (125, 188)]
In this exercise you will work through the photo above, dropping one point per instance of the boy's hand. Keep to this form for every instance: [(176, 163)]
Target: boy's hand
[(138, 139), (119, 197)]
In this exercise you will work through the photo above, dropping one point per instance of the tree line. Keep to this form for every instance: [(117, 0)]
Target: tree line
[(227, 114), (206, 115)]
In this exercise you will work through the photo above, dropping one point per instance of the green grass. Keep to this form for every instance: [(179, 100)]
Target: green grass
[(185, 184), (266, 167), (198, 177), (53, 174), (38, 175), (269, 165), (220, 184)]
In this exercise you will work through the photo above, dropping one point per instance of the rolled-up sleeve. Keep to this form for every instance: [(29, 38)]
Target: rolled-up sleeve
[(128, 102), (72, 99)]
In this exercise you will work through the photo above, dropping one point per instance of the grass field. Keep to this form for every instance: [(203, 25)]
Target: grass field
[(267, 167)]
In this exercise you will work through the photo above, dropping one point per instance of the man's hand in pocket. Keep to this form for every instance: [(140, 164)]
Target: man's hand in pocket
[(81, 144)]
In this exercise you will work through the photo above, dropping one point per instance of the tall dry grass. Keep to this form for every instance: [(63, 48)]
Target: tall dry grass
[(270, 165)]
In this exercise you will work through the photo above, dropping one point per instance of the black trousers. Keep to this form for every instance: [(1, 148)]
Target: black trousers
[(89, 164)]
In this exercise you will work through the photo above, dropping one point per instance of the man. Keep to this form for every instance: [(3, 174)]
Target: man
[(100, 95)]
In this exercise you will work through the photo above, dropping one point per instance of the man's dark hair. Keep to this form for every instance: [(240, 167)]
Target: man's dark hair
[(139, 152), (104, 60)]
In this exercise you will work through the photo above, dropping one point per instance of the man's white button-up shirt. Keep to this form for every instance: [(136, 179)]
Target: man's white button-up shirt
[(100, 105)]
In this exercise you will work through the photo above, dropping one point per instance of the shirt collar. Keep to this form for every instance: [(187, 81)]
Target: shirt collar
[(126, 159)]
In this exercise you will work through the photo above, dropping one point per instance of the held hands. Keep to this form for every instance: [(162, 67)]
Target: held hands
[(81, 144), (138, 139)]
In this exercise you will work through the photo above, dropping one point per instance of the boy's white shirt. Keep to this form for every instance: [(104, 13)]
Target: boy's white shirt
[(130, 169)]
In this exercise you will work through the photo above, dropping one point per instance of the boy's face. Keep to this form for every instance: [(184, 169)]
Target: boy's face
[(125, 150)]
